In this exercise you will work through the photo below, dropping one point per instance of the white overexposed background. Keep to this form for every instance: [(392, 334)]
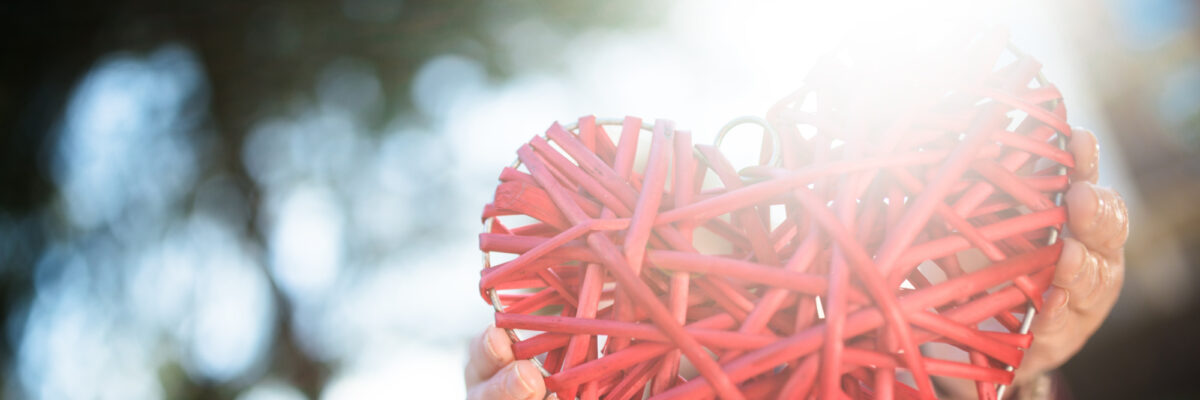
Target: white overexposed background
[(371, 234)]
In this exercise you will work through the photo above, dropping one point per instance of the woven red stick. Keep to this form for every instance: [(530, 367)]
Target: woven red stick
[(629, 274)]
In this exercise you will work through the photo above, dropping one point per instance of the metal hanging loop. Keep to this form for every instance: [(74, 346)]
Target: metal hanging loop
[(768, 131)]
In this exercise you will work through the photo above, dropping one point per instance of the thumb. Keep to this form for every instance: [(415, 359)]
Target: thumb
[(520, 380)]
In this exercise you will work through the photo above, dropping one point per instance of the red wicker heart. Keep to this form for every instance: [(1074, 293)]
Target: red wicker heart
[(834, 268)]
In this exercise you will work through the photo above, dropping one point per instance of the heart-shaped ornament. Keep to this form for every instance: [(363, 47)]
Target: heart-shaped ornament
[(897, 232)]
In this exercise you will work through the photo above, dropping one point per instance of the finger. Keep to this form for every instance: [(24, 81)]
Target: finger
[(1091, 280), (489, 352), (1086, 150), (1097, 217), (518, 381), (1054, 314), (1054, 334)]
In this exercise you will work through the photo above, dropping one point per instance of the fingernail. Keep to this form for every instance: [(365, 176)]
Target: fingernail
[(530, 376), (489, 344), (520, 383), (1058, 299), (1055, 308)]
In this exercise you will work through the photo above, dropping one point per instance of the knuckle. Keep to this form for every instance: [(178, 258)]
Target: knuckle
[(1112, 276), (1113, 206), (1108, 278), (1118, 237), (1120, 218), (1083, 289)]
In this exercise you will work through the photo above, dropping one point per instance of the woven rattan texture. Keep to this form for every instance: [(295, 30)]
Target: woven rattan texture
[(868, 233)]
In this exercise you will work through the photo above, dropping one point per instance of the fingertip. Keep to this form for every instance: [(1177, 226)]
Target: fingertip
[(1085, 148), (1054, 310), (1116, 217), (1083, 136), (525, 381), (1056, 299), (1083, 203), (1070, 263), (1098, 217), (498, 345)]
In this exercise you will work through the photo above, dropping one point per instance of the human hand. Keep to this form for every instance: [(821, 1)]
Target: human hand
[(492, 374), (1090, 271), (1088, 277)]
